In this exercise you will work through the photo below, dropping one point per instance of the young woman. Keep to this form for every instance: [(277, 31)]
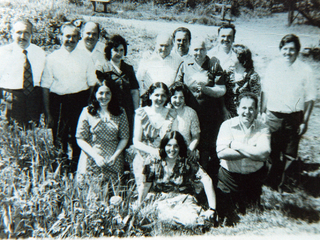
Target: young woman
[(241, 78), (186, 122), (151, 124), (176, 175), (102, 134), (123, 76)]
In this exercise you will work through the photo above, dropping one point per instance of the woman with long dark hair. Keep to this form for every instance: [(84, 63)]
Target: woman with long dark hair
[(102, 134), (177, 179)]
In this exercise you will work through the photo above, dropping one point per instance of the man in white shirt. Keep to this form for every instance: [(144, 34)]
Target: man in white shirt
[(243, 146), (66, 79), (181, 43), (160, 66), (90, 42), (21, 66), (288, 97), (223, 51)]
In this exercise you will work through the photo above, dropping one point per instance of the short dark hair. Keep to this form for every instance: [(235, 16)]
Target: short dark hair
[(113, 106), (183, 149), (180, 86), (146, 96), (250, 95), (244, 56), (114, 42), (97, 26), (182, 29), (69, 24), (290, 38), (228, 25)]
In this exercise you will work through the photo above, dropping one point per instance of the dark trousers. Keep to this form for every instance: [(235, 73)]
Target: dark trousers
[(65, 111), (237, 192), (24, 109), (284, 143)]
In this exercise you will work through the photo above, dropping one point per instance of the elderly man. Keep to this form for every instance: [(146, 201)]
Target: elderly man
[(243, 145), (90, 43), (223, 51), (288, 96), (66, 79), (21, 66), (181, 42), (160, 66), (204, 77)]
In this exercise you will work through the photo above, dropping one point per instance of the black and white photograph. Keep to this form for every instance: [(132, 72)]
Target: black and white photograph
[(160, 118)]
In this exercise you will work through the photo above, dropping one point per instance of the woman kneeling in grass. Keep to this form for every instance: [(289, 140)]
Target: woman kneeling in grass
[(176, 177)]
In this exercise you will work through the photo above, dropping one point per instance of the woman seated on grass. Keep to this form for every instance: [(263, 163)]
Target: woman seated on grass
[(102, 134), (177, 178)]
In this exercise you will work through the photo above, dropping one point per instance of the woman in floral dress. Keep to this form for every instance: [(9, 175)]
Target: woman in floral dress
[(102, 134), (240, 78), (151, 124)]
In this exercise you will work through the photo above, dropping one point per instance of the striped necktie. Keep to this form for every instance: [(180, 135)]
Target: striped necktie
[(27, 76)]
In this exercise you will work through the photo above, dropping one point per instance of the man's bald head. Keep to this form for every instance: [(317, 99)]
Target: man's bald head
[(90, 35)]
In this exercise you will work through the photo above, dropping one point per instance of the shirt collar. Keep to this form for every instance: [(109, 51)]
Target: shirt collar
[(17, 48), (235, 122)]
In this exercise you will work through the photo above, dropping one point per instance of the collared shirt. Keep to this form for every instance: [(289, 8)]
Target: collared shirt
[(227, 61), (210, 67), (12, 60), (257, 135), (287, 88), (186, 57), (156, 69), (68, 72), (97, 54)]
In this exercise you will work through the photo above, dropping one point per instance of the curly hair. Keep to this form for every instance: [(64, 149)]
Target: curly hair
[(94, 105), (114, 42), (146, 96), (183, 149), (179, 86), (244, 56)]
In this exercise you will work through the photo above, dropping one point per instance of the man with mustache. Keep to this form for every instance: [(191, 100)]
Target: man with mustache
[(243, 145), (223, 51), (66, 79), (21, 66), (90, 33)]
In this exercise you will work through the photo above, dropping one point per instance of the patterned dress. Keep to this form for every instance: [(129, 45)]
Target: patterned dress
[(104, 137), (125, 80), (176, 202), (187, 124), (249, 83), (151, 136)]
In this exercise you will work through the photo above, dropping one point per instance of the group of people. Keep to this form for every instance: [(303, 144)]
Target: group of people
[(190, 119)]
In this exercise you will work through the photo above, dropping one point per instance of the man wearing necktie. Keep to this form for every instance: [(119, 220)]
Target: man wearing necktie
[(21, 66)]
